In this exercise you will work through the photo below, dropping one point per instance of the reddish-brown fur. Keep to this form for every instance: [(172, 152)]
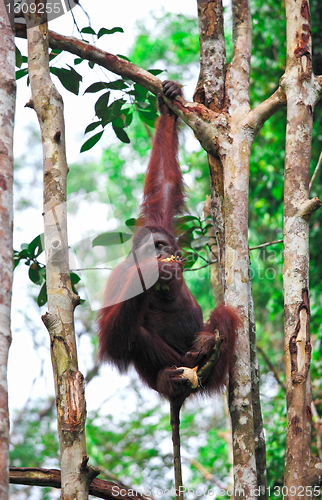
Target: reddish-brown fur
[(162, 327)]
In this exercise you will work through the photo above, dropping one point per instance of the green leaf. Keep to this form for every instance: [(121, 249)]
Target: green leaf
[(36, 246), (69, 78), (74, 278), (139, 92), (191, 259), (91, 142), (34, 273), (42, 297), (88, 30), (111, 238), (147, 117), (78, 60), (155, 72), (123, 57), (186, 238), (96, 87), (131, 223), (21, 73), (110, 113), (118, 122), (128, 116), (19, 60), (199, 243), (121, 134), (92, 126), (104, 31), (116, 85), (101, 104), (187, 218), (152, 100)]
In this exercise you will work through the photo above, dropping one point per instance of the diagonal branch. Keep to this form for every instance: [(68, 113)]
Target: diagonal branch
[(199, 118), (258, 116), (105, 59)]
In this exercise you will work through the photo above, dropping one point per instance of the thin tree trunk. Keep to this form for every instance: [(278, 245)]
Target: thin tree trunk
[(7, 110), (76, 475), (301, 92), (236, 178)]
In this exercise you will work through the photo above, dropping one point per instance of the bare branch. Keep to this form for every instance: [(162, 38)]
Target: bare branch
[(271, 367), (316, 171), (100, 488), (263, 245), (105, 59), (258, 116), (199, 118)]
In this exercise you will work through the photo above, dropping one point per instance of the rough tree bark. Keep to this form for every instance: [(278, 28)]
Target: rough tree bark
[(302, 470), (76, 474), (7, 110)]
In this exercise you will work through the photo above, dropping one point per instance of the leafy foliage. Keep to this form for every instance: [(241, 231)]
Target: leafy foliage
[(120, 112), (29, 253)]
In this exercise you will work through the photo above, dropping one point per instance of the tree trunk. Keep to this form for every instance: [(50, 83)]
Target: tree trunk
[(301, 91), (76, 475), (7, 110)]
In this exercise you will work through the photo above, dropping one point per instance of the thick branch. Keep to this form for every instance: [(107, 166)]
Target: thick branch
[(199, 118), (309, 208), (109, 61), (100, 488), (258, 116)]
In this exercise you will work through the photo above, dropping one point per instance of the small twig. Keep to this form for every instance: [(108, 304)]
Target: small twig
[(201, 267), (92, 269), (263, 245), (316, 171), (207, 475), (271, 367), (317, 425)]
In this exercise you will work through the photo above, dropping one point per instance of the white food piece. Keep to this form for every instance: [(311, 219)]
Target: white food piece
[(191, 375)]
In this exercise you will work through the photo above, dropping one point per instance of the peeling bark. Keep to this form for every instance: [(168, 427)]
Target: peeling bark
[(7, 110), (301, 90), (71, 408)]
